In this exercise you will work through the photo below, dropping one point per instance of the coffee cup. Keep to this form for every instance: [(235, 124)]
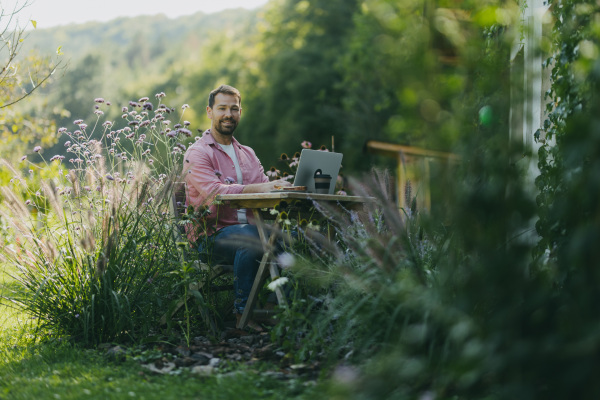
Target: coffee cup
[(322, 182)]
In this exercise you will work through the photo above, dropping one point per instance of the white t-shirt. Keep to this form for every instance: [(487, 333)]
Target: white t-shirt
[(228, 148)]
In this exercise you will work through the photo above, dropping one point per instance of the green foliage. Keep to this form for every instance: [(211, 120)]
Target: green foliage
[(565, 154), (302, 42), (471, 316), (21, 73), (20, 76), (365, 282)]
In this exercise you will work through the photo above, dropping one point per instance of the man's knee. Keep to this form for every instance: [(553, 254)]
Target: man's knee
[(243, 236)]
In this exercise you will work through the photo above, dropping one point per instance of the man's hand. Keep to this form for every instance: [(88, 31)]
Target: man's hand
[(266, 187)]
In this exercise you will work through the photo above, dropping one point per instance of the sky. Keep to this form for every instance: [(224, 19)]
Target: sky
[(49, 13)]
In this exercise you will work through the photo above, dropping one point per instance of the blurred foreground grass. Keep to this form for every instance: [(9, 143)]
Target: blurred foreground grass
[(31, 369)]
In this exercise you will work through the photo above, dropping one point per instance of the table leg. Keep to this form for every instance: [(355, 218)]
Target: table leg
[(268, 243)]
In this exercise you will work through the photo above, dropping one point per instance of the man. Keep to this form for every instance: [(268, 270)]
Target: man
[(219, 164)]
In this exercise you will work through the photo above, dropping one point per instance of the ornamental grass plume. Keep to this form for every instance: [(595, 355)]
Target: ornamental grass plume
[(357, 285), (92, 242)]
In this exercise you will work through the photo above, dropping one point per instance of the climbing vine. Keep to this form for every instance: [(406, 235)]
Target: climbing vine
[(564, 154)]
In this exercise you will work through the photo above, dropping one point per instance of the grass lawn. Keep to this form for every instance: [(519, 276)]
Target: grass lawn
[(53, 369)]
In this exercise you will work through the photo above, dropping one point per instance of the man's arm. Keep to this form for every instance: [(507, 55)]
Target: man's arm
[(200, 173), (265, 187)]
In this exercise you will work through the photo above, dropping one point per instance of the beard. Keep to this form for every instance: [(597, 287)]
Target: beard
[(226, 129)]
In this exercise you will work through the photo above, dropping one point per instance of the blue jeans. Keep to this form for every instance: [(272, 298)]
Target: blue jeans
[(238, 245)]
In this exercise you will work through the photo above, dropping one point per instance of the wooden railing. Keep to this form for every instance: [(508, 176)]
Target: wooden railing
[(414, 171)]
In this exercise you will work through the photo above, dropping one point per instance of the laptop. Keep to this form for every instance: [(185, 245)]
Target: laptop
[(311, 160)]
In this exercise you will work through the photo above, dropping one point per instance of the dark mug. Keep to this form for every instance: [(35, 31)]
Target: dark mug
[(322, 182)]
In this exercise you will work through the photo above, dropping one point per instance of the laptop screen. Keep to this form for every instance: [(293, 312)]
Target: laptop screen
[(310, 161)]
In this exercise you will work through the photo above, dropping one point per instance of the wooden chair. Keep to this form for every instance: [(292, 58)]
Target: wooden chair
[(176, 209)]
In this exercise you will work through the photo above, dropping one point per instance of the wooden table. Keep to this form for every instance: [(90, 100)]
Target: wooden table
[(257, 202)]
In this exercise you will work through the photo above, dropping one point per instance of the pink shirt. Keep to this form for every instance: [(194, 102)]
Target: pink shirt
[(209, 171)]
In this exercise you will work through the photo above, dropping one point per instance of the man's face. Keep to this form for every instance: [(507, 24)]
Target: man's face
[(225, 113)]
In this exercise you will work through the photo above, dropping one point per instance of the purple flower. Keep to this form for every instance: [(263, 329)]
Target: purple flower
[(159, 95), (133, 104), (110, 177), (183, 107), (229, 180), (187, 123), (148, 106), (186, 132), (99, 100), (37, 149), (28, 202), (143, 99), (23, 158), (218, 173), (62, 130), (124, 109), (306, 144), (177, 126), (78, 121)]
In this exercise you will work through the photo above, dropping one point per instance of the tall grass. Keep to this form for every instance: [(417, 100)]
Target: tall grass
[(93, 244), (369, 284)]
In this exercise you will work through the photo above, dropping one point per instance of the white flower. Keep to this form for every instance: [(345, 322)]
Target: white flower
[(286, 260), (279, 282)]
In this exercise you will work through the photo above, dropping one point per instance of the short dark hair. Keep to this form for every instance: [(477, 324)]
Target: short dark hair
[(225, 89)]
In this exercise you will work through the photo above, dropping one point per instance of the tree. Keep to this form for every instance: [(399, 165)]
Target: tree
[(18, 79), (298, 96)]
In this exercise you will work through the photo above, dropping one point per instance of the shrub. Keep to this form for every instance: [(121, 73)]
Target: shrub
[(93, 244)]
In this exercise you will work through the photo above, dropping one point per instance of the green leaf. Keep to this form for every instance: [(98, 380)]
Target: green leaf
[(59, 51), (34, 23)]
